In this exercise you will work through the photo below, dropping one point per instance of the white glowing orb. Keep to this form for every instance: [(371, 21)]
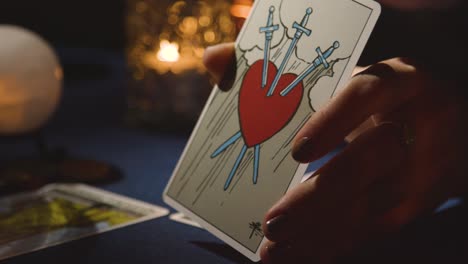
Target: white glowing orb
[(30, 80)]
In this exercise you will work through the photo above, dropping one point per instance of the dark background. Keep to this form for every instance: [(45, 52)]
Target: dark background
[(84, 23)]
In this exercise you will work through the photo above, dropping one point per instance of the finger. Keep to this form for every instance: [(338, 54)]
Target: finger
[(359, 69), (369, 123), (220, 60), (356, 70), (272, 253), (366, 124), (316, 201), (347, 230), (379, 89), (432, 121), (297, 253)]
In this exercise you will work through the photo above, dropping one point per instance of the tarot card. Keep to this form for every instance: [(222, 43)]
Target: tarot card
[(56, 214), (181, 218), (292, 57)]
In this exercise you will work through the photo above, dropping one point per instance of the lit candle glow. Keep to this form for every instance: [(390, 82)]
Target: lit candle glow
[(169, 52), (166, 43)]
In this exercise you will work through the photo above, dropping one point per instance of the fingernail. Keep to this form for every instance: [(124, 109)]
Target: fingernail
[(229, 75), (276, 225), (302, 150)]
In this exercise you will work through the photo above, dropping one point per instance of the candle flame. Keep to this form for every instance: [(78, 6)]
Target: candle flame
[(169, 52)]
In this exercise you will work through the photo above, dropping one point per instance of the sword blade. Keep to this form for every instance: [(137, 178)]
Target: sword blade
[(283, 65), (317, 61), (266, 59), (299, 79)]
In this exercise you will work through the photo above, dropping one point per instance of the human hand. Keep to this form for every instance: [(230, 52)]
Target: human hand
[(382, 180), (403, 166)]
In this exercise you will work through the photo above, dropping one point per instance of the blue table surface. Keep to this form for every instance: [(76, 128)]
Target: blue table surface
[(89, 125)]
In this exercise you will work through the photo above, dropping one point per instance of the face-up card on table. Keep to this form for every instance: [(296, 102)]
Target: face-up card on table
[(59, 213), (292, 57)]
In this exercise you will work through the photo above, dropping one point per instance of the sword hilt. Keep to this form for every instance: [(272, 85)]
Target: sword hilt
[(301, 28), (322, 57), (270, 28)]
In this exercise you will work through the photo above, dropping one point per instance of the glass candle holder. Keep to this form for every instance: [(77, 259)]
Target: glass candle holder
[(166, 43)]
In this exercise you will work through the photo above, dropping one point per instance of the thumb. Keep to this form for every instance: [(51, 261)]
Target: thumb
[(220, 60)]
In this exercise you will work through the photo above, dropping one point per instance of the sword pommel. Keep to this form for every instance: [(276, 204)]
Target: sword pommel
[(301, 28), (336, 44)]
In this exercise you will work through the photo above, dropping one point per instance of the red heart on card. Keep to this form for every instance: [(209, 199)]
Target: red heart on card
[(261, 116)]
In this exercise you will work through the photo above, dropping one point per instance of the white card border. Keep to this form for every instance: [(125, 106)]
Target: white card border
[(255, 256), (180, 218)]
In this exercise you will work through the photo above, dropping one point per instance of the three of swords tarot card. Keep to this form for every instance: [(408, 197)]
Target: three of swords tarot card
[(292, 57)]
